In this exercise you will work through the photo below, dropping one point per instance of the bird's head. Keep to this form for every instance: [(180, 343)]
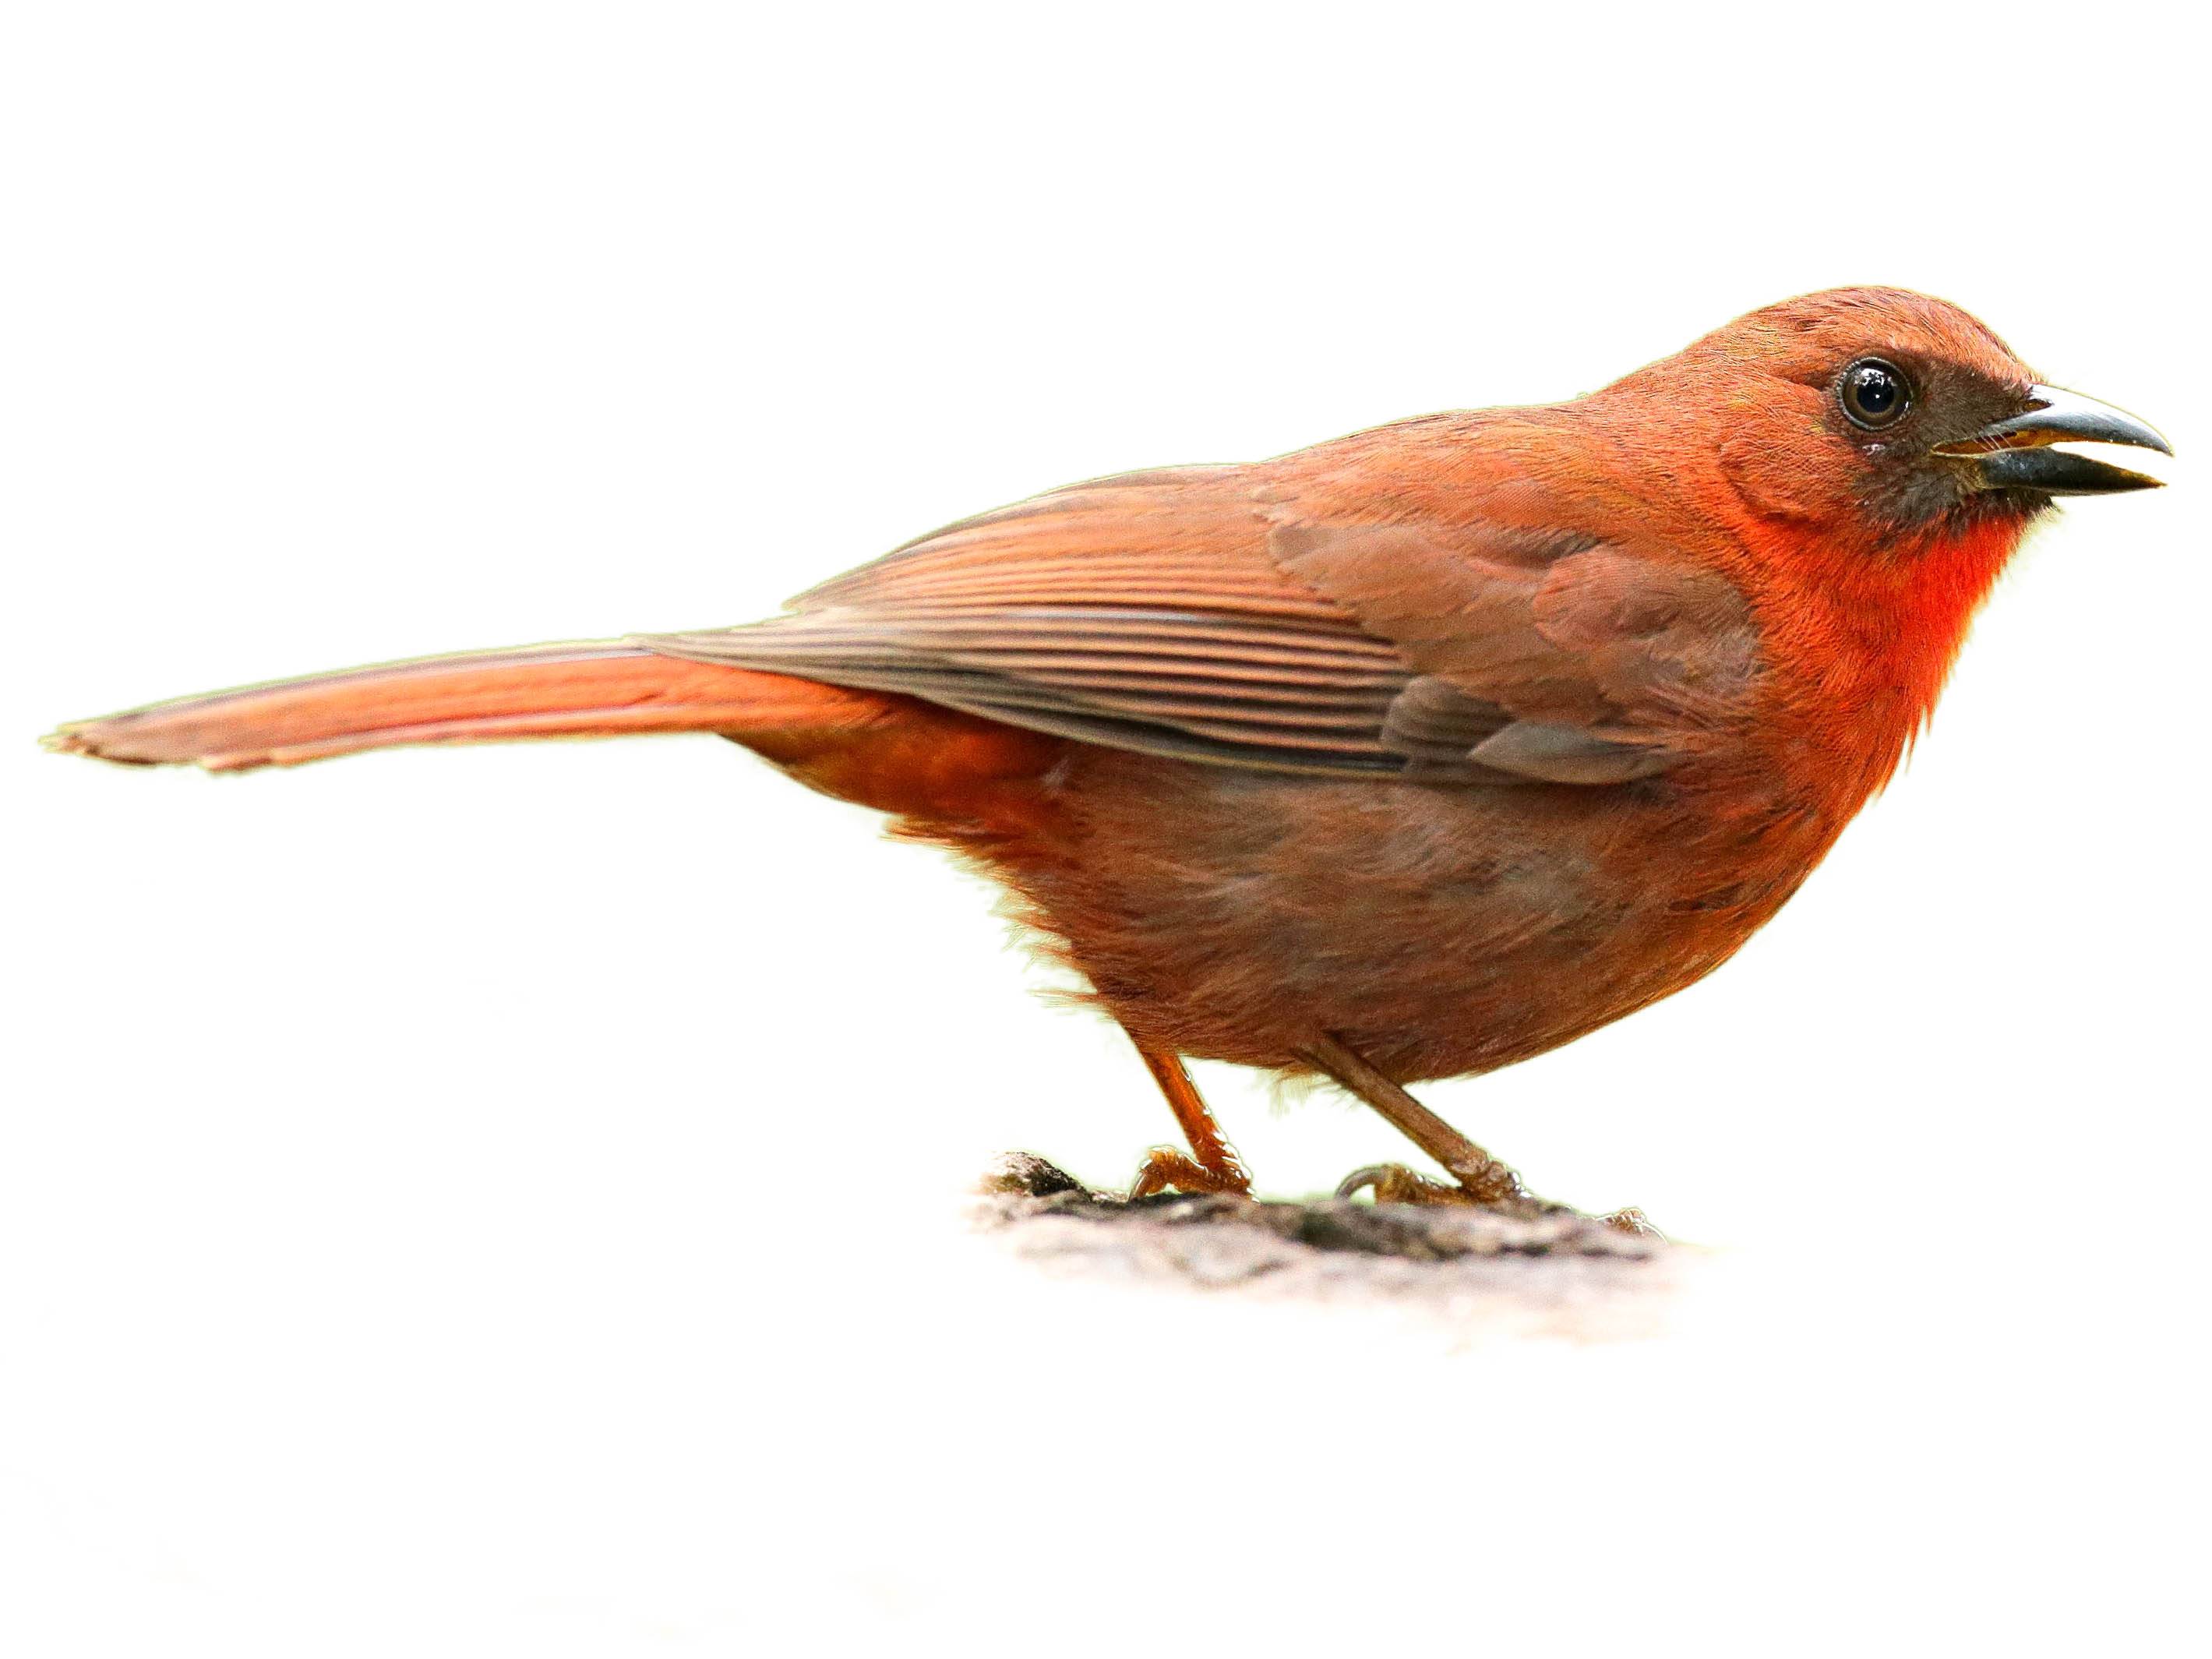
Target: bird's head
[(1884, 417), (1873, 457)]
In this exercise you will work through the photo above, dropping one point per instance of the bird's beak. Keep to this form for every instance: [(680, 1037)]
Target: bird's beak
[(2014, 454)]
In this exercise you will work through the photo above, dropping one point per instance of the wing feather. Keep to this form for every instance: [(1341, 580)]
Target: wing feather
[(1198, 612)]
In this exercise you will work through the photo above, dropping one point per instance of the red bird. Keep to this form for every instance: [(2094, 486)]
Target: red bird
[(1408, 756)]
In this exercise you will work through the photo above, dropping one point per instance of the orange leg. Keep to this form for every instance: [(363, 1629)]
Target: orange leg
[(1213, 1166), (1482, 1179)]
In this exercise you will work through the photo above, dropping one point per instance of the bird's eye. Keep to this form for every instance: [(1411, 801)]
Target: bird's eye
[(1873, 393)]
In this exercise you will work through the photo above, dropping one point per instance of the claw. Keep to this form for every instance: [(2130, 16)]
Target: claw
[(1372, 1175)]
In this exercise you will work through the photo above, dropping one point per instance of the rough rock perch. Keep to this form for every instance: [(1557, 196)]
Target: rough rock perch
[(1482, 1271)]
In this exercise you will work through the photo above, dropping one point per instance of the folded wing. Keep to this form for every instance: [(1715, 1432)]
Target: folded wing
[(1202, 613)]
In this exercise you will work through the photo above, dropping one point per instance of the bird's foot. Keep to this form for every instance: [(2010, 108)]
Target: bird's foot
[(1165, 1167), (1493, 1185)]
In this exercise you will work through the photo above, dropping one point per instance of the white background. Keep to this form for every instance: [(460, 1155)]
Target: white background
[(506, 1200)]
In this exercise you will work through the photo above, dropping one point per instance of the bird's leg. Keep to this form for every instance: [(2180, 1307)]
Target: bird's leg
[(1482, 1179), (1213, 1166)]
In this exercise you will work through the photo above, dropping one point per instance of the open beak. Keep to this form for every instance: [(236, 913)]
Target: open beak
[(2014, 454)]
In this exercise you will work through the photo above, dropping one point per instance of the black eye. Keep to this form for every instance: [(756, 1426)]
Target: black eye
[(1873, 393)]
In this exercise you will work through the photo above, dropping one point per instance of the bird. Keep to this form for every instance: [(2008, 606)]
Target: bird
[(1408, 756)]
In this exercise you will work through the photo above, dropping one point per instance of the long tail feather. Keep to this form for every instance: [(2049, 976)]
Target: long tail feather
[(597, 688)]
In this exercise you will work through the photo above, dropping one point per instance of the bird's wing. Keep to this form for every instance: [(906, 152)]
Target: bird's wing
[(1204, 613)]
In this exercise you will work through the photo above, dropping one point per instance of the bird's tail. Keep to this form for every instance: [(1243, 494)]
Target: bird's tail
[(597, 688)]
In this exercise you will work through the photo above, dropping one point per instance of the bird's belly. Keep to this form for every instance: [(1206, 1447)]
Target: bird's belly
[(1438, 930)]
